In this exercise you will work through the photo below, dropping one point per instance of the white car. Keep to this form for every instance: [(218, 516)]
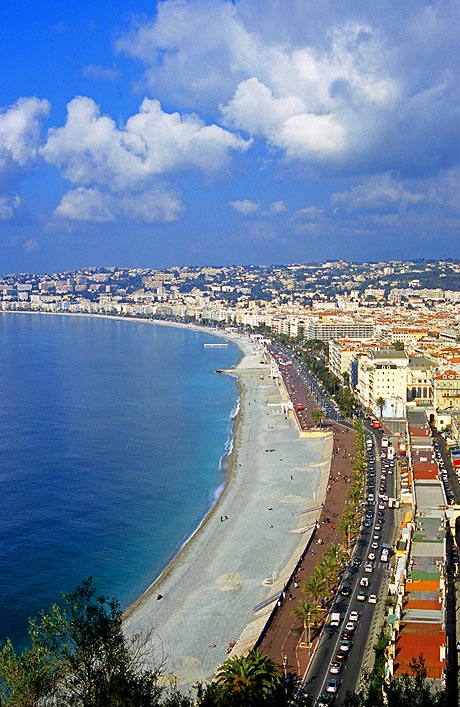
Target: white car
[(372, 599), (354, 616), (371, 556), (364, 582), (368, 567)]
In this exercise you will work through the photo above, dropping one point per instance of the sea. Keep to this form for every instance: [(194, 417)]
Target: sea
[(113, 438)]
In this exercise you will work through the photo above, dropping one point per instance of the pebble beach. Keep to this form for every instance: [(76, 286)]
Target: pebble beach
[(201, 609)]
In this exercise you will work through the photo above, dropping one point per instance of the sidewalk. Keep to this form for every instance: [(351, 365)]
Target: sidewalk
[(285, 636)]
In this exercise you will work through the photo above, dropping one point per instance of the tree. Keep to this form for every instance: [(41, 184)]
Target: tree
[(316, 588), (318, 416), (308, 612), (380, 402), (80, 658), (250, 681)]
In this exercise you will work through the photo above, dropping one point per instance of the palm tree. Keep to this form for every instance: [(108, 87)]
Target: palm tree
[(380, 402), (316, 588), (318, 416), (251, 681), (309, 613)]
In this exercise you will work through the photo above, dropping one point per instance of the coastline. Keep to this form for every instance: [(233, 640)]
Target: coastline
[(256, 531), (209, 589)]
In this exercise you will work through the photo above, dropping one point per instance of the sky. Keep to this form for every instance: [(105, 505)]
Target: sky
[(195, 132)]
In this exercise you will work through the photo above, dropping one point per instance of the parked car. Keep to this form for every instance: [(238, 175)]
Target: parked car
[(332, 685)]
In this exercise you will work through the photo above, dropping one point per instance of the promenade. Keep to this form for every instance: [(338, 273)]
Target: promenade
[(285, 637)]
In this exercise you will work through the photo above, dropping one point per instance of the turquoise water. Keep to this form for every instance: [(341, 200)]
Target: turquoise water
[(111, 440)]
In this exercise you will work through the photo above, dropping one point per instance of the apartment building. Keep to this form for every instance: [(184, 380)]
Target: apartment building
[(382, 374), (446, 386)]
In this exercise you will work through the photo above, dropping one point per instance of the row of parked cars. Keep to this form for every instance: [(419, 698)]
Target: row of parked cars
[(443, 471)]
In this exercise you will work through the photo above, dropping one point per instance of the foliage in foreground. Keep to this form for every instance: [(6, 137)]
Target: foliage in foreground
[(79, 657), (250, 681)]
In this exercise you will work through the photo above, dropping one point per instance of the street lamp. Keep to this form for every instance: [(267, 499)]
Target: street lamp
[(308, 633)]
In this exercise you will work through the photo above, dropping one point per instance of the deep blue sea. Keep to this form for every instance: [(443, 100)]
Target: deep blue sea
[(111, 440)]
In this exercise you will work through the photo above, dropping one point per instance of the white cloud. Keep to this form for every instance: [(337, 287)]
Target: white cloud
[(85, 205), (94, 205), (246, 207), (31, 245), (379, 192), (309, 213), (101, 73), (276, 207), (361, 86), (20, 132), (91, 150), (155, 205), (8, 205)]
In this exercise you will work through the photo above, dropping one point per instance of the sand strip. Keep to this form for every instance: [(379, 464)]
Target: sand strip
[(250, 537)]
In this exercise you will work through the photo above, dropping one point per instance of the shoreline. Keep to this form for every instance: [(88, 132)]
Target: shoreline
[(227, 459), (210, 566), (205, 553)]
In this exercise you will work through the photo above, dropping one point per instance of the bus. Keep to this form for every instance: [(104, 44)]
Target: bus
[(385, 553)]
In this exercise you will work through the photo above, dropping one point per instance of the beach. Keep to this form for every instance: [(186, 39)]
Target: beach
[(201, 609)]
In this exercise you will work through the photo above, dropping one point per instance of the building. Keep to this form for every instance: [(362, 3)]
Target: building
[(382, 375)]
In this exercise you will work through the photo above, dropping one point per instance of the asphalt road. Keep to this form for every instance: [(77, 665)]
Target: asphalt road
[(328, 647)]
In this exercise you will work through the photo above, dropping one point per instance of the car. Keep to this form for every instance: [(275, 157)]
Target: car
[(368, 523), (372, 599), (341, 656), (361, 596), (335, 667), (324, 700), (382, 506), (369, 514), (354, 616), (345, 591), (345, 645), (378, 526), (376, 536), (368, 567), (374, 546), (349, 628), (357, 562), (364, 582), (332, 685), (371, 556)]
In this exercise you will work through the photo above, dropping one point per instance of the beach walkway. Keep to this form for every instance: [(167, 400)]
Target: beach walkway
[(284, 637)]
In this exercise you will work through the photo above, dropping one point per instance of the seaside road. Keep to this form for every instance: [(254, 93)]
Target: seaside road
[(285, 635), (209, 590)]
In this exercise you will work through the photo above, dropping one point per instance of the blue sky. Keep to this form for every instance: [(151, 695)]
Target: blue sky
[(151, 134)]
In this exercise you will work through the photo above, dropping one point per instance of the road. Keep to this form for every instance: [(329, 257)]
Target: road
[(378, 530)]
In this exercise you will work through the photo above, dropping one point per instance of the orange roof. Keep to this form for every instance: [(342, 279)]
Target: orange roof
[(423, 604), (423, 585), (414, 639)]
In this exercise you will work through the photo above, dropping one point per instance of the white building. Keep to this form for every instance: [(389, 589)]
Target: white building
[(383, 375)]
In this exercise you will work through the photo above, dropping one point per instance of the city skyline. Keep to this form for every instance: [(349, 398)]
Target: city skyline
[(153, 134)]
